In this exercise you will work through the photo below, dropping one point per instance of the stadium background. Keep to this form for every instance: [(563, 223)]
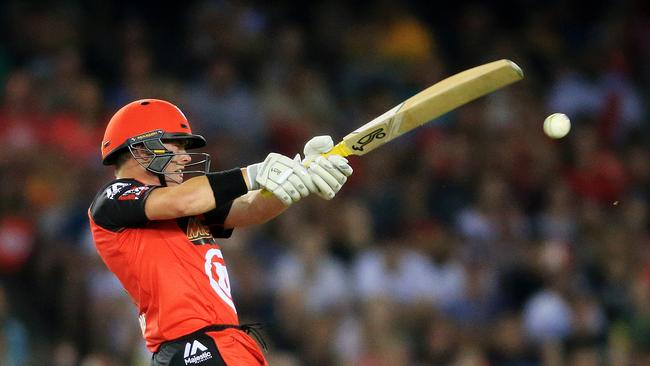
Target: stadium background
[(474, 241)]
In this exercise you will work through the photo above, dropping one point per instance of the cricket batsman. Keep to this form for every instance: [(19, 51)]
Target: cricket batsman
[(158, 231)]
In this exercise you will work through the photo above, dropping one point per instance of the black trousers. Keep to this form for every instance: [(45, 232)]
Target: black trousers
[(198, 348)]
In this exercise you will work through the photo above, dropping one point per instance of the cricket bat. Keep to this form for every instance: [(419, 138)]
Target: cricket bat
[(436, 100), (429, 104)]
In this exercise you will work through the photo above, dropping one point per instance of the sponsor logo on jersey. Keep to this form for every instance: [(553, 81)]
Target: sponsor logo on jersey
[(114, 189), (197, 232), (216, 270), (192, 355), (143, 323), (133, 193)]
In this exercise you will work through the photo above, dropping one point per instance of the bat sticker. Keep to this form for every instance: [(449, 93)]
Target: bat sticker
[(365, 140)]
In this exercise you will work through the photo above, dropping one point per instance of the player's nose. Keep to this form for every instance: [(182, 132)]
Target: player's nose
[(183, 157)]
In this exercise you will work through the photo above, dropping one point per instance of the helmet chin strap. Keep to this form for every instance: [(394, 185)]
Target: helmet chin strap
[(161, 178)]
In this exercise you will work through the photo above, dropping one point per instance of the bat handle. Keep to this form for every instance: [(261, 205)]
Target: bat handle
[(339, 149)]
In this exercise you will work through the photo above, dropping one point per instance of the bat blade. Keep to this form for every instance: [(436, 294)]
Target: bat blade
[(428, 104)]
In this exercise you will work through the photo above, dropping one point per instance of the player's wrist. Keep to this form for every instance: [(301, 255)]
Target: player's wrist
[(250, 174), (227, 185)]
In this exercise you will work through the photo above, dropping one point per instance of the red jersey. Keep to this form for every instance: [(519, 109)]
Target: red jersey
[(173, 269)]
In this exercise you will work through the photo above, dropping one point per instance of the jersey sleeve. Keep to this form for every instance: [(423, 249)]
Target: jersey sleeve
[(215, 219), (121, 205)]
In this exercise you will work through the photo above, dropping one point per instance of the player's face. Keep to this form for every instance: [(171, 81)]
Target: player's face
[(178, 163)]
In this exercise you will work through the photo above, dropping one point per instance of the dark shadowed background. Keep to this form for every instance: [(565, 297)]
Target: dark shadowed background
[(475, 240)]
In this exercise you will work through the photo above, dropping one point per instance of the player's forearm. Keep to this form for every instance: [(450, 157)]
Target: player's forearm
[(192, 197), (253, 208), (195, 196)]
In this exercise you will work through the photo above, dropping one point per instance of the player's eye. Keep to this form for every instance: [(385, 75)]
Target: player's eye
[(180, 145)]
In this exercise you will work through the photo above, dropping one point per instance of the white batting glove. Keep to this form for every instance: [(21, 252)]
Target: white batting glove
[(330, 173), (287, 179)]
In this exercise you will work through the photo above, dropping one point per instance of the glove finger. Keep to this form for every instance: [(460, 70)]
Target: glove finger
[(329, 179), (292, 191), (300, 186), (302, 173), (282, 195), (324, 190), (332, 170), (341, 164), (340, 177), (318, 145)]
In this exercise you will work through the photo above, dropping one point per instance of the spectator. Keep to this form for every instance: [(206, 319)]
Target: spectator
[(13, 335), (312, 273), (390, 270), (221, 104)]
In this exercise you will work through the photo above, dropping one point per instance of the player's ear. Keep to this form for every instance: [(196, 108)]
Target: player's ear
[(124, 157), (121, 159), (140, 153)]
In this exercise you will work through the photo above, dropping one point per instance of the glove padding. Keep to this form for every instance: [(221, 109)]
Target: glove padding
[(287, 179), (327, 173)]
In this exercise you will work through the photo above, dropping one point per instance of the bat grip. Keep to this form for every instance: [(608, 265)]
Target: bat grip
[(339, 149)]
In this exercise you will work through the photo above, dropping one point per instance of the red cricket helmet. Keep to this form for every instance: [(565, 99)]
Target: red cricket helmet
[(144, 125), (136, 120)]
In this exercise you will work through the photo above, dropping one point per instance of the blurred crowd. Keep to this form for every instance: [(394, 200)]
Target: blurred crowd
[(475, 240)]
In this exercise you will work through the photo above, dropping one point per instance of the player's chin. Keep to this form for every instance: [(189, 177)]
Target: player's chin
[(174, 179)]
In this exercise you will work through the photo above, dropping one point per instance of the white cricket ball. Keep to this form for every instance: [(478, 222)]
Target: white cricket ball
[(557, 125)]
